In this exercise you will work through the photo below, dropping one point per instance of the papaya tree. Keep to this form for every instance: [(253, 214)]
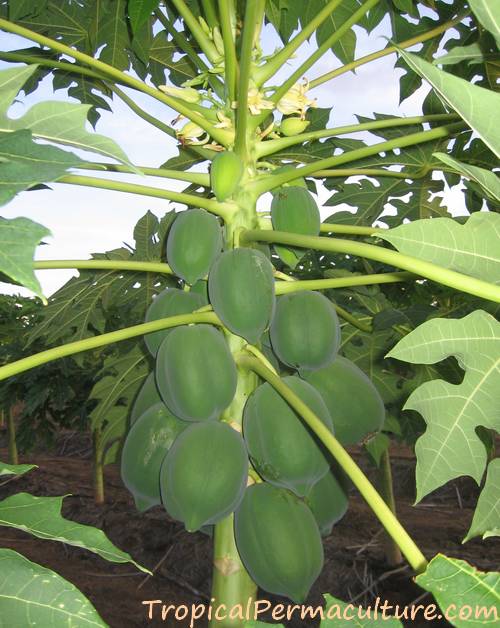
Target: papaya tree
[(273, 340)]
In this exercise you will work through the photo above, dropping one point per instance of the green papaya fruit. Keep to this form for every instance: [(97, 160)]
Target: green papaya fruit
[(194, 242), (305, 331), (170, 302), (328, 502), (147, 396), (294, 209), (145, 447), (293, 126), (225, 174), (241, 289), (282, 448), (278, 541), (195, 372), (204, 474), (354, 403)]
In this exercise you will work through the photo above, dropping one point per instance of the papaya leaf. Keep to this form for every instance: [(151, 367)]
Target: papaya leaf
[(117, 385), (471, 248), (54, 121), (339, 614), (473, 53), (489, 181), (57, 603), (345, 47), (23, 163), (113, 34), (139, 12), (488, 13), (456, 585), (15, 469), (473, 103), (450, 446), (41, 517), (486, 520), (18, 239)]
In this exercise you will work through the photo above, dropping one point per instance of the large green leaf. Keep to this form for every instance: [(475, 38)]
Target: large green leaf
[(116, 388), (450, 446), (458, 586), (339, 614), (486, 521), (488, 180), (345, 47), (139, 11), (488, 13), (55, 121), (33, 595), (474, 104), (112, 33), (471, 248), (41, 517), (19, 238), (15, 469), (24, 164)]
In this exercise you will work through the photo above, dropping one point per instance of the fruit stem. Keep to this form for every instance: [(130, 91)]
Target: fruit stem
[(444, 276), (98, 469), (226, 10), (394, 528)]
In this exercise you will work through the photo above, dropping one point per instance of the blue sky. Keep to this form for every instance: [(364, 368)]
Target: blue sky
[(84, 220)]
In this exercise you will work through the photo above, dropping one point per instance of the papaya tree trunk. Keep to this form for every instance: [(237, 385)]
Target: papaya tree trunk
[(98, 469), (11, 436), (392, 552)]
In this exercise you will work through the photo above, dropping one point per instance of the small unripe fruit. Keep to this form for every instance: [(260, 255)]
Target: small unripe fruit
[(293, 126), (225, 174)]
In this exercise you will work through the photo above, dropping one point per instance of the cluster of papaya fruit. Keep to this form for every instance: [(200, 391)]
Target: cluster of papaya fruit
[(182, 450)]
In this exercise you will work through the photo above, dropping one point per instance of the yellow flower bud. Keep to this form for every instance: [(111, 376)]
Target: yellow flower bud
[(188, 94)]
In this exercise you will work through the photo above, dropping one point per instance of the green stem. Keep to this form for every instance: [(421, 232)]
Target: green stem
[(98, 468), (226, 9), (139, 111), (253, 17), (370, 172), (444, 276), (19, 57), (322, 49), (198, 33), (331, 227), (11, 436), (231, 584), (72, 348), (385, 486), (349, 318), (185, 45), (100, 264), (220, 209), (377, 504), (219, 135), (387, 51), (272, 146), (266, 184), (273, 65), (210, 13), (285, 287), (198, 178)]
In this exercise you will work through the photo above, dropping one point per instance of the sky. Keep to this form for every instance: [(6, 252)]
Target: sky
[(85, 220)]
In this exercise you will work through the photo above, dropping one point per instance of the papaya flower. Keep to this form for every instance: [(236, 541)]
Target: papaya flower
[(295, 101), (191, 133), (257, 102), (188, 94)]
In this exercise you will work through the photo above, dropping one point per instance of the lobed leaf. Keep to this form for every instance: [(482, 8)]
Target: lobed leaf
[(31, 594), (15, 469), (450, 446), (457, 586), (486, 521), (41, 517)]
